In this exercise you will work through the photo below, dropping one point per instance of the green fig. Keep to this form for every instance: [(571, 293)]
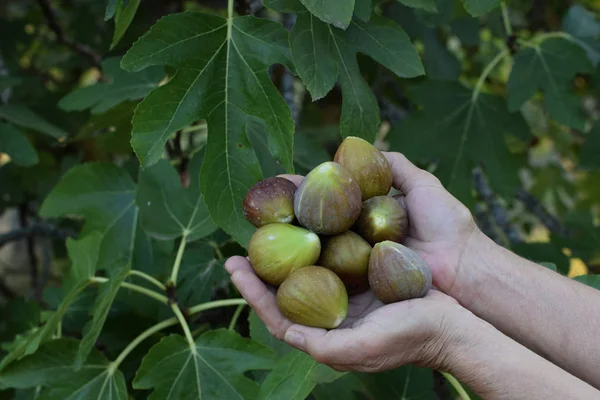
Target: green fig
[(313, 296), (328, 201), (397, 273), (382, 218), (276, 250), (367, 164), (270, 200), (348, 256)]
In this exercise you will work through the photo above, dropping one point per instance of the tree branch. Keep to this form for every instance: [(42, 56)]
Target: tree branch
[(38, 229), (80, 48), (537, 208), (497, 210)]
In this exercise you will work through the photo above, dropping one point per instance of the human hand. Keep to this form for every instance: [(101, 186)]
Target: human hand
[(374, 337), (440, 226)]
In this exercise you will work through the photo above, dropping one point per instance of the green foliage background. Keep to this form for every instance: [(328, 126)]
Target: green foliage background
[(131, 130)]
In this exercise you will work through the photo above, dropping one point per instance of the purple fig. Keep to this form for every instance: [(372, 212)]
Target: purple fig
[(348, 256), (397, 273), (276, 250), (270, 200), (313, 296), (328, 201), (382, 218), (367, 164)]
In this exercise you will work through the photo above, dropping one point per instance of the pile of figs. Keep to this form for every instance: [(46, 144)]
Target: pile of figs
[(338, 234)]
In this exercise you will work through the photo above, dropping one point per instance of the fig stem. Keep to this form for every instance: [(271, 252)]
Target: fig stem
[(149, 278), (135, 288), (165, 324), (506, 19), (236, 316), (457, 386), (184, 326), (177, 264)]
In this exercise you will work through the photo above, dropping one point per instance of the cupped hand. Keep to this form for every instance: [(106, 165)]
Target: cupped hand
[(374, 337)]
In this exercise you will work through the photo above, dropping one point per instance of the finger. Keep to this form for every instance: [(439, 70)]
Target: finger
[(296, 179), (408, 176), (334, 347), (257, 295)]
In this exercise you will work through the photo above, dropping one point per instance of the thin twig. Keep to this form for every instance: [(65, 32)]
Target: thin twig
[(80, 48), (38, 229)]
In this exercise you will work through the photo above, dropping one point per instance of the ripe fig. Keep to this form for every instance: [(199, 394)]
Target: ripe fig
[(367, 164), (313, 296), (276, 250), (397, 273), (328, 201), (270, 200), (382, 218), (348, 256)]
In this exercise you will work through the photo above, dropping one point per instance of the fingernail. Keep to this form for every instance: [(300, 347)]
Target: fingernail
[(295, 339)]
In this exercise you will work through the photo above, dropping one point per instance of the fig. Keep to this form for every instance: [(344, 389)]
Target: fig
[(382, 218), (397, 273), (367, 164), (277, 249), (347, 255), (270, 200), (328, 201), (313, 296)]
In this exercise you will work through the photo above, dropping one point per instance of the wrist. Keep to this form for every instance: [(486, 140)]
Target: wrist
[(473, 269)]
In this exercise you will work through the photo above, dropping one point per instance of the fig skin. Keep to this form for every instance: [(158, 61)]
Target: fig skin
[(328, 201), (397, 273), (313, 296), (270, 200), (347, 255), (276, 250), (382, 218), (367, 164)]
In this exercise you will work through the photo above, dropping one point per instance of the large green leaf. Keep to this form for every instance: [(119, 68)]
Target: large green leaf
[(363, 9), (478, 8), (335, 12), (212, 369), (99, 312), (17, 146), (201, 273), (345, 388), (427, 5), (459, 129), (585, 28), (324, 55), (222, 77), (121, 86), (590, 151), (83, 253), (408, 382), (104, 195), (30, 342), (52, 368), (550, 67), (24, 117), (294, 377), (169, 211), (124, 14)]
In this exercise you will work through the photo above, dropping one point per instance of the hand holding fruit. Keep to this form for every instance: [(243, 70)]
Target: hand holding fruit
[(360, 247)]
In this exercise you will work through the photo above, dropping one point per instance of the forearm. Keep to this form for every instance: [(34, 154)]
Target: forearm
[(496, 367), (553, 315)]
